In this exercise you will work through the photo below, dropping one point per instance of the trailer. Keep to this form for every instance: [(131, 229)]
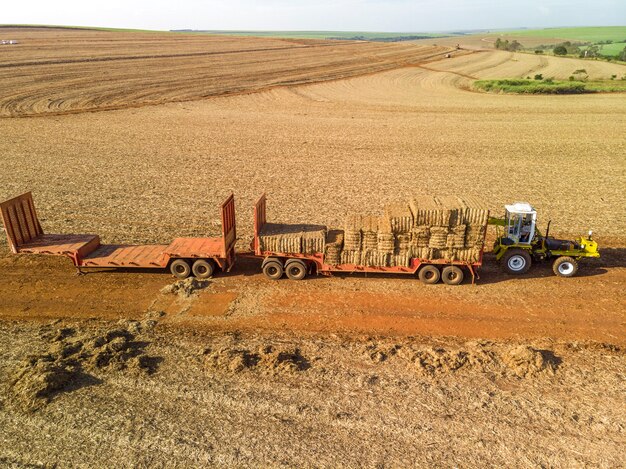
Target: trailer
[(297, 266), (183, 256)]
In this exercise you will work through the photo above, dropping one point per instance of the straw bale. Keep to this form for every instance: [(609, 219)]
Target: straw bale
[(370, 240), (402, 243), (400, 260), (400, 217), (376, 259), (456, 237), (420, 235), (438, 237), (475, 211), (351, 257), (352, 240), (465, 255), (422, 253), (278, 237), (313, 240), (386, 242), (475, 235), (332, 249)]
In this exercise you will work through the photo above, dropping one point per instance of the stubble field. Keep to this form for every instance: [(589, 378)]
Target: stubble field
[(472, 375)]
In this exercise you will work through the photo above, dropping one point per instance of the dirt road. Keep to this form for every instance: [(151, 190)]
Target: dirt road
[(539, 305)]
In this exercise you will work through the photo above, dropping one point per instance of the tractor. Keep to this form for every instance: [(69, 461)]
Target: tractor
[(519, 243)]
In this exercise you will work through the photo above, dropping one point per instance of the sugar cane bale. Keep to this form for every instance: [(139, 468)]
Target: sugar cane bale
[(375, 259), (402, 243), (352, 233), (456, 236), (420, 235), (350, 257), (333, 246), (400, 216), (438, 237), (313, 239), (475, 235), (400, 260)]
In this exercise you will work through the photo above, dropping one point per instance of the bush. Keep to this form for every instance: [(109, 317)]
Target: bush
[(538, 51), (559, 50), (571, 78), (539, 76)]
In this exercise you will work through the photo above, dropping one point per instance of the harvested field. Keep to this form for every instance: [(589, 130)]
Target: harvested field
[(344, 371), (52, 71)]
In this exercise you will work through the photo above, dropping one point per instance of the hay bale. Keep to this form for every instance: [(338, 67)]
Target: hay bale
[(400, 217), (475, 212), (386, 242), (422, 253), (376, 259), (420, 235), (456, 236), (402, 243), (401, 260), (292, 239), (438, 237), (350, 257), (475, 235), (333, 247)]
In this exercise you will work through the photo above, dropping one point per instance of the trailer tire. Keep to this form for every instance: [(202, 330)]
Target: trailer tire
[(452, 275), (429, 274), (295, 269), (565, 266), (273, 269), (516, 261), (203, 268), (180, 269)]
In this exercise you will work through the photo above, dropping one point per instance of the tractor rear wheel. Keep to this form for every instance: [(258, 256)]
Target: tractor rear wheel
[(516, 261), (429, 274), (295, 270), (565, 267), (180, 268), (202, 268), (273, 269), (452, 275)]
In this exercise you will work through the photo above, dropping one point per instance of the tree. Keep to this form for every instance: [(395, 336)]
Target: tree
[(559, 50), (622, 55), (514, 46)]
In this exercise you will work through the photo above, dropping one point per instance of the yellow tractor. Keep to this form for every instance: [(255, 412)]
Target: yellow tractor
[(519, 243)]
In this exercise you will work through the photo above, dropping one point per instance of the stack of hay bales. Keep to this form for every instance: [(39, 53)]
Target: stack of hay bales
[(426, 227), (333, 247), (449, 228), (292, 239)]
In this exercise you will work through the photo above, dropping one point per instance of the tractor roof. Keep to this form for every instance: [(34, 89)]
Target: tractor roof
[(520, 207)]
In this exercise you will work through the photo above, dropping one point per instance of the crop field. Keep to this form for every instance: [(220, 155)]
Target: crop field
[(590, 34), (140, 136)]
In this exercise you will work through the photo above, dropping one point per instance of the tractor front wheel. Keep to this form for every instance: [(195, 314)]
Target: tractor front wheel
[(516, 261), (565, 267)]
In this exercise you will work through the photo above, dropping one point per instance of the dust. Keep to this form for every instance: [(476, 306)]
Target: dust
[(521, 361), (186, 288), (266, 359), (70, 359)]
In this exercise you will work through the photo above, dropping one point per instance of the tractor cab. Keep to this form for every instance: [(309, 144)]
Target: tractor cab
[(521, 221), (519, 244)]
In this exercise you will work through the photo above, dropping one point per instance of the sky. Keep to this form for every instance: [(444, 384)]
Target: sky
[(317, 15)]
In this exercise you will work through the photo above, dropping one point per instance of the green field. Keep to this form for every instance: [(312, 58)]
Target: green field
[(521, 86), (587, 34)]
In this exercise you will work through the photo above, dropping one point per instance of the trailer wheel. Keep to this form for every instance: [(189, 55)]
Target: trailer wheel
[(429, 274), (516, 261), (452, 275), (180, 269), (273, 269), (296, 269), (203, 268), (565, 267)]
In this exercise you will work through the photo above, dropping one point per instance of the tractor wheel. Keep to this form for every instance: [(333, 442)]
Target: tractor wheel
[(273, 269), (565, 267), (429, 274), (296, 270), (180, 269), (452, 275), (516, 261), (202, 268)]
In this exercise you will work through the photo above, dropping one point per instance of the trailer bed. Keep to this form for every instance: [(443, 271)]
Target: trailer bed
[(118, 255)]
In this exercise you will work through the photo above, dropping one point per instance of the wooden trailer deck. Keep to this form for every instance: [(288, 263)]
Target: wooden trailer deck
[(25, 235)]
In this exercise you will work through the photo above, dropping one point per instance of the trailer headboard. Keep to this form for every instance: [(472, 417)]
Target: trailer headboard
[(260, 216), (229, 224), (20, 220)]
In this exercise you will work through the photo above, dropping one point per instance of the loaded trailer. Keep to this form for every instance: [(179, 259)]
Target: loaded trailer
[(183, 256), (289, 250)]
